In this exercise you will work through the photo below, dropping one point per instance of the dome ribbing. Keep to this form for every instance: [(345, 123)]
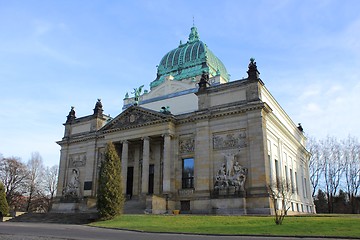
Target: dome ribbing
[(189, 60)]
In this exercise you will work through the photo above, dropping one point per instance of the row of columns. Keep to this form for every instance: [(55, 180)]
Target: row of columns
[(145, 164)]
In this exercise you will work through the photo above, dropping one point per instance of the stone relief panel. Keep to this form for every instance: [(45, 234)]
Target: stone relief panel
[(77, 160), (187, 145), (72, 189), (229, 140), (231, 176)]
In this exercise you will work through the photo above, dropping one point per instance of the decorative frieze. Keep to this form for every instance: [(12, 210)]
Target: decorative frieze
[(187, 145), (229, 140), (77, 160), (186, 192)]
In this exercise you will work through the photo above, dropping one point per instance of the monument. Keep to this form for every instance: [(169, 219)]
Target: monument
[(195, 142)]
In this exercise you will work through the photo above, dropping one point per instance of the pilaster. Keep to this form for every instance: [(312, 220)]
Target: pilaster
[(166, 170), (124, 164), (145, 166)]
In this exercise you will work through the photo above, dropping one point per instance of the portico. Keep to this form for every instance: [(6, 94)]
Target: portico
[(146, 164)]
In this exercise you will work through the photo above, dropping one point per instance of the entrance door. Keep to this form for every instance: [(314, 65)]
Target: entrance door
[(151, 178), (129, 181)]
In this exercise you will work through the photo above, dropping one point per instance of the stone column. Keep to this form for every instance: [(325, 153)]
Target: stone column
[(145, 166), (124, 164), (166, 169)]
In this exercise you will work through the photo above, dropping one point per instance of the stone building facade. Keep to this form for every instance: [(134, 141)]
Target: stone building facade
[(195, 142)]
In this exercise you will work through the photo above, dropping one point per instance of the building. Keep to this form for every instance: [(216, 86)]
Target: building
[(195, 142)]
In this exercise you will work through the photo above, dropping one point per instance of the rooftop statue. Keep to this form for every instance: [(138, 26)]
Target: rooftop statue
[(137, 93)]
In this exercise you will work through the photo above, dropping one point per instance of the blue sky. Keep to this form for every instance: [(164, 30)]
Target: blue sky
[(57, 54)]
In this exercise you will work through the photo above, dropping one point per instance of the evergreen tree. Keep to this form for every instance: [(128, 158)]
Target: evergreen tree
[(321, 202), (4, 207), (110, 200)]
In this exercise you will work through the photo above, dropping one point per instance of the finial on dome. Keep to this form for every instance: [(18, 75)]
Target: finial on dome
[(194, 35)]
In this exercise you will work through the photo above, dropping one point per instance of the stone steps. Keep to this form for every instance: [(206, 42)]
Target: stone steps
[(64, 218)]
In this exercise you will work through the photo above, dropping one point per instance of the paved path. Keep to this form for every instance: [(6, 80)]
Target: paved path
[(43, 231)]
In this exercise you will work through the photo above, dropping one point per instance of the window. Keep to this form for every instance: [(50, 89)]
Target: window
[(188, 173), (269, 158), (296, 183), (184, 206), (277, 171), (292, 181)]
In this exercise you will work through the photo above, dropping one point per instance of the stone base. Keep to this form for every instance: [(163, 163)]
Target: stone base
[(80, 205), (231, 206), (159, 205), (65, 207)]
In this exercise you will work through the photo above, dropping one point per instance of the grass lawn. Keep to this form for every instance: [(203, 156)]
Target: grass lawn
[(318, 225)]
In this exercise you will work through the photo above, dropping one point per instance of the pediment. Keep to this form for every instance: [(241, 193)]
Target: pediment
[(136, 116)]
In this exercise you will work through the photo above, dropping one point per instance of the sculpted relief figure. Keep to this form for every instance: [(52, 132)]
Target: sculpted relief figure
[(229, 160), (239, 176), (231, 173), (72, 188)]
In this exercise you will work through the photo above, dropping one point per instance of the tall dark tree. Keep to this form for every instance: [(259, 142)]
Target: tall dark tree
[(110, 200), (4, 207), (321, 202)]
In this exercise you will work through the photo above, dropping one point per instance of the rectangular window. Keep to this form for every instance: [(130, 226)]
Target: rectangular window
[(277, 172), (270, 168), (292, 181), (184, 206), (87, 185), (296, 183), (286, 176), (188, 173)]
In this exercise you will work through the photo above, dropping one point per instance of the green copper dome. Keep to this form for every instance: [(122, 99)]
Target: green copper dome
[(189, 60)]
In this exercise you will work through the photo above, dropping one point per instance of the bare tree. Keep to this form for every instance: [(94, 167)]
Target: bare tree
[(50, 180), (13, 174), (315, 164), (280, 193), (351, 152), (333, 168), (35, 180)]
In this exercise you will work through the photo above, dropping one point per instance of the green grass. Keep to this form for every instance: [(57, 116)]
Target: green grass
[(318, 225)]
